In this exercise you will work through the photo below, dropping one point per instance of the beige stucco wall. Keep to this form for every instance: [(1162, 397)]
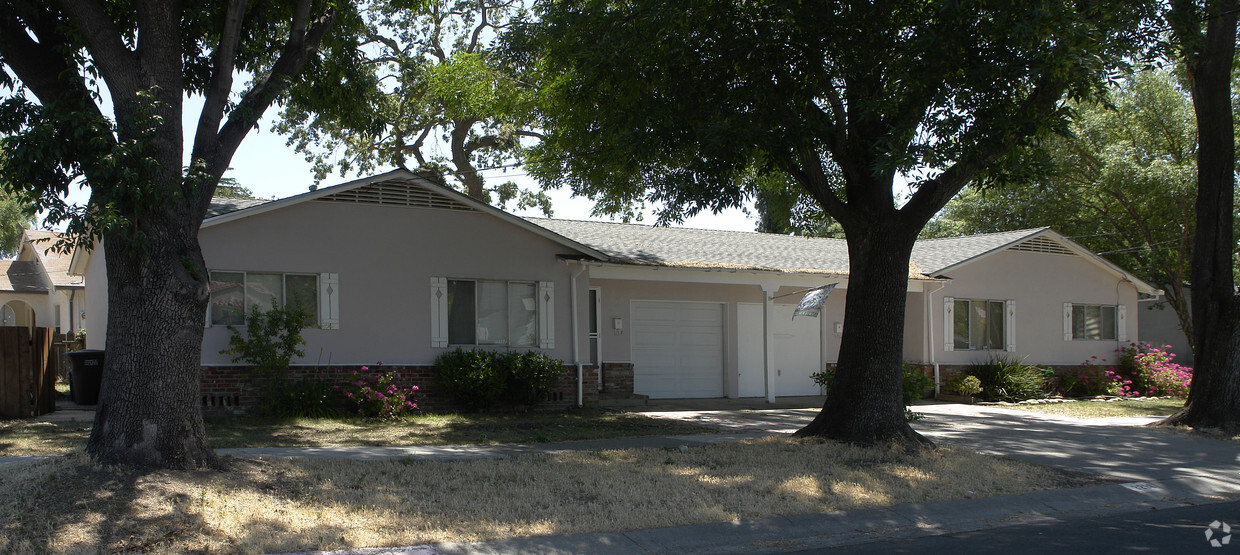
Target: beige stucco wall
[(385, 257), (96, 322), (1040, 283)]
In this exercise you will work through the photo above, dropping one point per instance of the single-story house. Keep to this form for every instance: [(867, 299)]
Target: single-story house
[(400, 269), (37, 288)]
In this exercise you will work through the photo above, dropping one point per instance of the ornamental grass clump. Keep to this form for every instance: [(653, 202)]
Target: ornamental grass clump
[(1006, 379), (377, 395)]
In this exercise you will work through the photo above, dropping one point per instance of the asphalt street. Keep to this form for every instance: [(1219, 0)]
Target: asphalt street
[(1181, 530)]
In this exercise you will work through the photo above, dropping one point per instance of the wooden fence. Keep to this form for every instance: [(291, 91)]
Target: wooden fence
[(28, 365)]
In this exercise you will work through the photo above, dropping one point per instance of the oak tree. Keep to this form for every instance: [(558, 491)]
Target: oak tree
[(678, 102), (97, 101)]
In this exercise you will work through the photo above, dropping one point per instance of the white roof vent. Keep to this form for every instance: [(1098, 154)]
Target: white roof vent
[(1043, 244), (398, 193)]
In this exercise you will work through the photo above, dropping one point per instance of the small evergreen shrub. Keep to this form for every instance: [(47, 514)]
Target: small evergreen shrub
[(530, 377), (964, 384), (915, 384), (824, 377), (1004, 379), (471, 379)]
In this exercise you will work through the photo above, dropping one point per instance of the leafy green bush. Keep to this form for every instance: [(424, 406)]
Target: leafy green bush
[(915, 384), (530, 376), (272, 338), (470, 379), (305, 399), (964, 384), (1004, 379), (824, 377)]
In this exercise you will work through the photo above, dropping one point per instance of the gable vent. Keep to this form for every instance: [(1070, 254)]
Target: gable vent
[(1042, 244), (395, 193)]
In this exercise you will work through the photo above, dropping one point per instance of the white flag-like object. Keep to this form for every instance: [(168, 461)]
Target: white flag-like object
[(811, 305)]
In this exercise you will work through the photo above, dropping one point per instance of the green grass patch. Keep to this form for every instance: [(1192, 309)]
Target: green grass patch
[(1104, 409), (29, 437)]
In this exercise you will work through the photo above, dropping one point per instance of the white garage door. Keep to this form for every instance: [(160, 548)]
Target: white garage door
[(677, 349)]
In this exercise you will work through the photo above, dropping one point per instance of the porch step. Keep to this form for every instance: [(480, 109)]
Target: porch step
[(618, 400)]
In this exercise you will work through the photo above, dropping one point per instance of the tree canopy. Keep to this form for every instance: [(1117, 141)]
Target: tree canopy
[(1122, 182), (431, 93), (682, 103)]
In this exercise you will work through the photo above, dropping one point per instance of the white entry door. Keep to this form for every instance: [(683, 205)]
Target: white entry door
[(798, 351), (677, 349)]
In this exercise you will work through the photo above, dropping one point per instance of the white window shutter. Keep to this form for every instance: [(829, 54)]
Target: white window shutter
[(1067, 321), (546, 314), (1009, 326), (439, 312), (329, 301), (949, 340), (1121, 320)]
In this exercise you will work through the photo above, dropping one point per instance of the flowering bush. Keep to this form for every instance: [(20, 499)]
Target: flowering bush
[(1090, 379), (375, 396), (1152, 371)]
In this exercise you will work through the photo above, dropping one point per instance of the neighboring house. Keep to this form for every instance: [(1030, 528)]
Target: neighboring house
[(398, 269), (37, 289), (1160, 326)]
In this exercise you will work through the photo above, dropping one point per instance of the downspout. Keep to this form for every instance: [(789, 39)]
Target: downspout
[(930, 330), (572, 287)]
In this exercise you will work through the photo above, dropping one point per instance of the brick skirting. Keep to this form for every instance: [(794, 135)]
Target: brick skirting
[(618, 378), (229, 390)]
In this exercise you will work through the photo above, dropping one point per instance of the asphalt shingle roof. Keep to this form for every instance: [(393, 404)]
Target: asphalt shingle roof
[(21, 277), (54, 263), (684, 247), (223, 205), (934, 255)]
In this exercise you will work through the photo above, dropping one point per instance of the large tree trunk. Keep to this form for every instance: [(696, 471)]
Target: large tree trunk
[(149, 404), (864, 402), (1214, 398)]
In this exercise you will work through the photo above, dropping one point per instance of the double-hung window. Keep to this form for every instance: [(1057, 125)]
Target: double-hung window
[(235, 294), (1091, 321)]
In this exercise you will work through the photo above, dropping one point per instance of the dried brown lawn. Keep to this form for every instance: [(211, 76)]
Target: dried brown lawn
[(69, 504)]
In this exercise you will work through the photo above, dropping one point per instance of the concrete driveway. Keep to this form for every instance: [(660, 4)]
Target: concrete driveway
[(1117, 447)]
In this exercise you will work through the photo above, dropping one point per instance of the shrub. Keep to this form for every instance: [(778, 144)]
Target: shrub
[(272, 338), (1004, 379), (1089, 380), (306, 398), (530, 377), (964, 384), (915, 384), (469, 378), (1152, 371), (824, 377), (375, 395)]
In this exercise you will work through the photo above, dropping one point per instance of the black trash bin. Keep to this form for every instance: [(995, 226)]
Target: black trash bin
[(86, 376)]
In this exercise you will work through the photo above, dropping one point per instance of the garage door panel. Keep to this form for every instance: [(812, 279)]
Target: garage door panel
[(677, 349)]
